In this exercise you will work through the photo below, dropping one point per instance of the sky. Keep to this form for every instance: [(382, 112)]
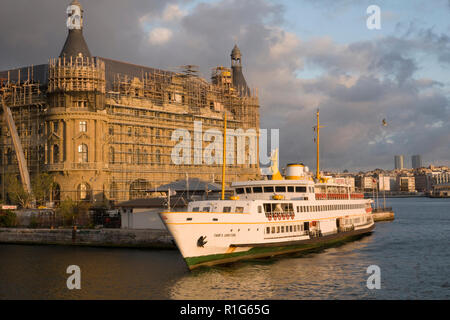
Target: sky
[(301, 55)]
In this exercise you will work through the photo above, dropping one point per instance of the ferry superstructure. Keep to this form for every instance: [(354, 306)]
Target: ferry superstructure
[(270, 217)]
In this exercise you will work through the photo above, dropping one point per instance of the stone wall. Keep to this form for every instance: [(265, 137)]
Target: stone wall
[(150, 238)]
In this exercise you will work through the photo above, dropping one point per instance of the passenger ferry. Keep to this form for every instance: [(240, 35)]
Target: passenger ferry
[(269, 217)]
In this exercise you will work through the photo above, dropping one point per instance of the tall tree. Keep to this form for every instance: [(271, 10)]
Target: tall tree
[(16, 191), (42, 184)]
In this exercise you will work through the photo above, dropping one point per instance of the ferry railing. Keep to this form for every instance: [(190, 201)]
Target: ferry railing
[(338, 196)]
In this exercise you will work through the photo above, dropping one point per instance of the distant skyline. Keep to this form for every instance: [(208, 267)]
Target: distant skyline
[(302, 55)]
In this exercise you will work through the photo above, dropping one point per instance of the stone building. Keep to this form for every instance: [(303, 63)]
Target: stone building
[(105, 129)]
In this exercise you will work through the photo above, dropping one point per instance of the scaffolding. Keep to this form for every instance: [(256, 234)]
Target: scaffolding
[(135, 117), (21, 139)]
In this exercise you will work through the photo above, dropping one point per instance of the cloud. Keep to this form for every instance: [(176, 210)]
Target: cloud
[(356, 84), (172, 12), (160, 36)]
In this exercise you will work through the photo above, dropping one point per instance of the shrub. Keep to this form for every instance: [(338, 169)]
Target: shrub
[(7, 219)]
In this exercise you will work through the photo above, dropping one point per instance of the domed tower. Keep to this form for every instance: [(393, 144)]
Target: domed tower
[(238, 77), (75, 117), (75, 44)]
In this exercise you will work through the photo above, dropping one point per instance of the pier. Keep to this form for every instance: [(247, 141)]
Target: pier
[(383, 214), (121, 238)]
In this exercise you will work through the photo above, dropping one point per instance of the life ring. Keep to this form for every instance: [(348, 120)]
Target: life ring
[(269, 217), (292, 216)]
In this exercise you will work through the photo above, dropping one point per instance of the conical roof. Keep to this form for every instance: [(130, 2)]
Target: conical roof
[(236, 53), (75, 44)]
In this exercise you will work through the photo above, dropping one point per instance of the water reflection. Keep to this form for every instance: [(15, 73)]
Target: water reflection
[(338, 270)]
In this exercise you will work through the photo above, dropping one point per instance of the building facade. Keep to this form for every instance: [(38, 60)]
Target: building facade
[(416, 161), (107, 130), (399, 162)]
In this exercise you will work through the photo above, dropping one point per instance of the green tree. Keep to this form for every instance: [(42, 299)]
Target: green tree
[(16, 191), (67, 211), (41, 185), (7, 219)]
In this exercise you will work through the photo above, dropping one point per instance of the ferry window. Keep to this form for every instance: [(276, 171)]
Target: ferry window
[(206, 209), (273, 229), (300, 189), (290, 189), (295, 228), (280, 189), (268, 230), (239, 190), (226, 209), (278, 229), (268, 189), (196, 209), (282, 229), (290, 228), (298, 209), (248, 190), (239, 209), (259, 209), (257, 189)]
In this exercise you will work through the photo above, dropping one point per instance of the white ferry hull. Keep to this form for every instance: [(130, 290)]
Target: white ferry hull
[(233, 237)]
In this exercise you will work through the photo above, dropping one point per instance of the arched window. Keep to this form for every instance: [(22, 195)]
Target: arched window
[(84, 192), (55, 153), (82, 153), (111, 155), (56, 193)]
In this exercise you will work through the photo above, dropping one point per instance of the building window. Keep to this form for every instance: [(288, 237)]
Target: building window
[(130, 156), (55, 127), (111, 155), (83, 126), (113, 193), (138, 156), (9, 156), (158, 157), (84, 192), (82, 153), (111, 131), (55, 153)]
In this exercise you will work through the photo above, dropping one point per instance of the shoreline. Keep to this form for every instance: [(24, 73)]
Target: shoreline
[(110, 238)]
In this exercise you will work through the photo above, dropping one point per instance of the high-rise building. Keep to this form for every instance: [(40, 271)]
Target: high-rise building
[(399, 162), (416, 161)]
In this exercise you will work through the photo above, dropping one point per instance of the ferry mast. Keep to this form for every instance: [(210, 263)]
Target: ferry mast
[(317, 129)]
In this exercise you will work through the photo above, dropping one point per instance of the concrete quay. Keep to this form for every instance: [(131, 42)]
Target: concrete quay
[(383, 215), (123, 238)]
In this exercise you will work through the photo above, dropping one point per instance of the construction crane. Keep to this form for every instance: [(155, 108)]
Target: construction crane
[(24, 174)]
